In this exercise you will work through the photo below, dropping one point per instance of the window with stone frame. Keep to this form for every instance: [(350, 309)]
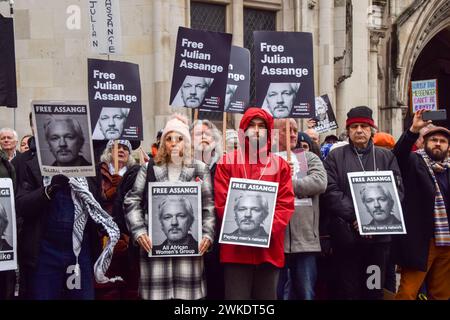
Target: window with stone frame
[(256, 20), (208, 17)]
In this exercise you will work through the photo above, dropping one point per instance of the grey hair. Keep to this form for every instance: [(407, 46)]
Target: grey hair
[(5, 130), (3, 220), (186, 205), (107, 157), (262, 201), (76, 126), (386, 192), (217, 135)]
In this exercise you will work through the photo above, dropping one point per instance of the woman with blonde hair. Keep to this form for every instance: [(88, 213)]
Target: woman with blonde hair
[(163, 278)]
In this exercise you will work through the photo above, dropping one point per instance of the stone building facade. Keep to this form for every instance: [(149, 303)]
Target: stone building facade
[(365, 51)]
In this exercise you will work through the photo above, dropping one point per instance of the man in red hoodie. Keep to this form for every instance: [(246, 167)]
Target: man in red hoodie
[(252, 272)]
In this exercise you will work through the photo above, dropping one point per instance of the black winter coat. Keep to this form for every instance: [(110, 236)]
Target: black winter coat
[(411, 250), (337, 203), (33, 207)]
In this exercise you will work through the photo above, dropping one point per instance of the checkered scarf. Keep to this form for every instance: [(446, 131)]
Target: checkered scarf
[(441, 227), (85, 205)]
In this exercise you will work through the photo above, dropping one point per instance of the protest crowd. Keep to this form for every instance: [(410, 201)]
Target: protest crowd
[(316, 250), (275, 208)]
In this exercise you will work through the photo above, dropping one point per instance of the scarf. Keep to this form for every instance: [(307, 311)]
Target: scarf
[(85, 205), (441, 227)]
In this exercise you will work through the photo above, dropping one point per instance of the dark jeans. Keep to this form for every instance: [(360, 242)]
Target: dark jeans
[(251, 282), (350, 271), (303, 275)]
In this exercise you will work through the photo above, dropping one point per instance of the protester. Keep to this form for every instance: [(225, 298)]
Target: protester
[(207, 142), (208, 149), (302, 243), (315, 145), (24, 143), (8, 142), (109, 180), (163, 278), (303, 141), (50, 248), (232, 142), (424, 252), (251, 272), (352, 252)]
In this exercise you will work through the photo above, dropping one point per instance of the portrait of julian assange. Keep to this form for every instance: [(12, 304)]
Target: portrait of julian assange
[(64, 140), (175, 218), (192, 92), (379, 206), (4, 223), (250, 210), (111, 123), (280, 98)]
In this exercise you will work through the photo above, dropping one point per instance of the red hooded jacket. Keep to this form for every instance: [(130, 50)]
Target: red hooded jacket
[(233, 165)]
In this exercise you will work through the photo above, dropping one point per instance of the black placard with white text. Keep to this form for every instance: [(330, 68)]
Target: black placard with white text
[(284, 73), (237, 96), (114, 89), (200, 69)]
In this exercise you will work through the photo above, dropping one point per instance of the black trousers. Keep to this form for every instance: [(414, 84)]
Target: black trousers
[(251, 282), (7, 284), (359, 271), (215, 286)]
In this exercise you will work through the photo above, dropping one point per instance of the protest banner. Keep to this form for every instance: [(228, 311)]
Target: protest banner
[(249, 212), (284, 73), (200, 70), (114, 90), (63, 138), (377, 204), (175, 218), (8, 228)]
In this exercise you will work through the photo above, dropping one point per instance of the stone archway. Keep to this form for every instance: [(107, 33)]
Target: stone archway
[(412, 31), (434, 63)]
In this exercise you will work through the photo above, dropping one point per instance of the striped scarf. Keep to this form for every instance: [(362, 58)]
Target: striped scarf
[(85, 205), (441, 227)]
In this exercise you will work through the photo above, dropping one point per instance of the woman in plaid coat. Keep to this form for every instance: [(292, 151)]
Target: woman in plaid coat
[(163, 278)]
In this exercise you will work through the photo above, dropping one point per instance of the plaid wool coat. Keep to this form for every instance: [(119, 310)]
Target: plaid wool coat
[(170, 277)]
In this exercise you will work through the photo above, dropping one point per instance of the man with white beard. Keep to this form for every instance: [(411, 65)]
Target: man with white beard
[(207, 143)]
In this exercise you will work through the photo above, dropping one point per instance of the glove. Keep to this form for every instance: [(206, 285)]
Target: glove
[(59, 182), (115, 179)]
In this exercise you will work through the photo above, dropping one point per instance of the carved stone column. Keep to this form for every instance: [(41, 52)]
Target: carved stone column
[(375, 36)]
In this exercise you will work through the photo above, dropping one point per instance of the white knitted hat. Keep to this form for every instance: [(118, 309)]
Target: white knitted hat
[(178, 124)]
